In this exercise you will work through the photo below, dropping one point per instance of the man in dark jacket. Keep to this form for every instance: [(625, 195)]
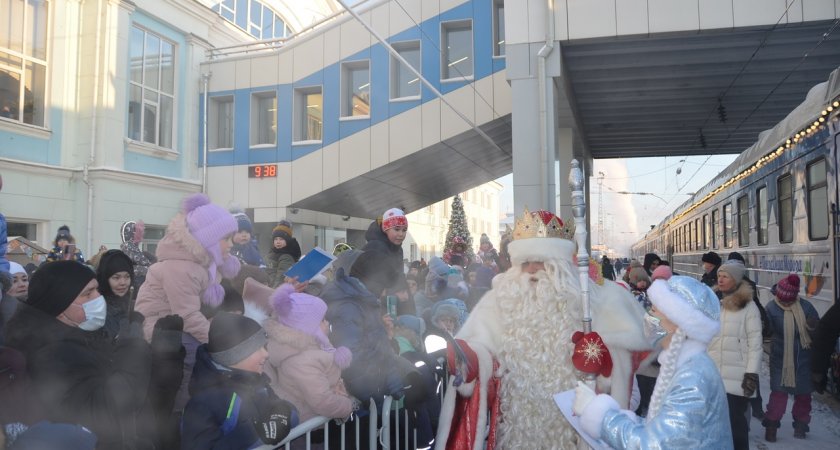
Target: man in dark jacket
[(80, 375), (607, 268), (825, 340), (356, 316), (711, 262)]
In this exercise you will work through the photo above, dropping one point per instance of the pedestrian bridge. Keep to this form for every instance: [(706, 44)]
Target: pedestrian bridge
[(330, 121)]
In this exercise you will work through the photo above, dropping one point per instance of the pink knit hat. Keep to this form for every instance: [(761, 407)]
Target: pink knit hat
[(787, 289), (662, 273), (304, 313)]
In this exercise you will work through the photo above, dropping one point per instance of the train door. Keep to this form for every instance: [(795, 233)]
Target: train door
[(835, 213)]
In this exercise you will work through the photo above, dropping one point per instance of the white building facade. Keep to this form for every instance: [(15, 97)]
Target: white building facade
[(99, 106)]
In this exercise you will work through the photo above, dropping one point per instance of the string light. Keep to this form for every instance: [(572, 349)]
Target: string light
[(801, 134)]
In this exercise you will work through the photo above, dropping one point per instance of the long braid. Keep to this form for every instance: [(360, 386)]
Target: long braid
[(666, 373)]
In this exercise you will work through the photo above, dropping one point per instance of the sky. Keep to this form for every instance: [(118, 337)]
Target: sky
[(665, 182)]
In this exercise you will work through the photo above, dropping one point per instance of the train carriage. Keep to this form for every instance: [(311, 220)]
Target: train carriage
[(776, 204)]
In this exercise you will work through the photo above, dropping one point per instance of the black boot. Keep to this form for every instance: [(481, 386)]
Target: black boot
[(770, 429), (799, 429)]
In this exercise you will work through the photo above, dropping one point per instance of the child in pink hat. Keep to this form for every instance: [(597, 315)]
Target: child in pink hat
[(303, 366)]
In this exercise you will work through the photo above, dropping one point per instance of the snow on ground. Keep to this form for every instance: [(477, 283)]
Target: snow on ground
[(825, 422)]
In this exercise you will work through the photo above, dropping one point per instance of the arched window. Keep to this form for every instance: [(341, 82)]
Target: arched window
[(258, 19)]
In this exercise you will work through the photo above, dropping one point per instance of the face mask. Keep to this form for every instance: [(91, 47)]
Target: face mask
[(95, 313), (654, 332)]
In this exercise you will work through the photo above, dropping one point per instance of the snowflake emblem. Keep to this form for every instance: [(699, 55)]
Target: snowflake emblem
[(592, 352)]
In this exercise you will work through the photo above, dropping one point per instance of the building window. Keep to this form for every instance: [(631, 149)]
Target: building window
[(264, 118), (23, 61), (309, 109), (220, 122), (713, 226), (404, 83), (817, 200), (743, 221), (498, 27), (151, 101), (761, 214), (727, 225), (258, 19), (785, 188), (457, 57), (355, 89)]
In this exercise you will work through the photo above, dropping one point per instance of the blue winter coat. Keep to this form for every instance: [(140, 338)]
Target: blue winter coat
[(694, 414), (356, 320), (222, 408), (801, 357), (248, 253)]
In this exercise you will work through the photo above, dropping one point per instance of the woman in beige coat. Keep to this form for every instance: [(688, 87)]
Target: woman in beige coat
[(736, 350)]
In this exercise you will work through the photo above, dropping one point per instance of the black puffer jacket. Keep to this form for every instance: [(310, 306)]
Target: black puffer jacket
[(355, 316), (86, 378), (377, 241)]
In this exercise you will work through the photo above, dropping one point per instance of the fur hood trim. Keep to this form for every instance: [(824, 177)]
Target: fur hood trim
[(737, 300), (178, 243), (290, 342)]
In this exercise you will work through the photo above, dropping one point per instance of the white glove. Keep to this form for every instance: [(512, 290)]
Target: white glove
[(583, 396)]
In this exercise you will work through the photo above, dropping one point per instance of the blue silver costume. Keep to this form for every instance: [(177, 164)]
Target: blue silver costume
[(694, 414)]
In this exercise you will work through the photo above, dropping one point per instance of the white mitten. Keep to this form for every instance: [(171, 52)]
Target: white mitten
[(583, 396)]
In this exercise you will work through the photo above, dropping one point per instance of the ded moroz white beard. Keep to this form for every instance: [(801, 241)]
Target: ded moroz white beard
[(535, 356)]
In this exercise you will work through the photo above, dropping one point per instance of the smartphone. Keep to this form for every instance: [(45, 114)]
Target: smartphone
[(69, 251), (391, 304)]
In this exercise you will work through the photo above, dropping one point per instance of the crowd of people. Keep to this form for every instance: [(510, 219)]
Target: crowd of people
[(208, 344)]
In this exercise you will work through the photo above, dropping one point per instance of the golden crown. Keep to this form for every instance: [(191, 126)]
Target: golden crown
[(542, 224)]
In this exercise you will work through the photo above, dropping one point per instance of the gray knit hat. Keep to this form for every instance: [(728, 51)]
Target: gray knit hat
[(233, 337), (733, 268)]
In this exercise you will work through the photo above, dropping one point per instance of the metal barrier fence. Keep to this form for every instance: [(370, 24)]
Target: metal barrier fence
[(379, 437)]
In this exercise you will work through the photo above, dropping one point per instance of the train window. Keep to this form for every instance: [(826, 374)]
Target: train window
[(817, 200), (743, 221), (688, 234), (705, 231), (697, 232), (727, 225), (761, 214), (713, 225), (785, 208)]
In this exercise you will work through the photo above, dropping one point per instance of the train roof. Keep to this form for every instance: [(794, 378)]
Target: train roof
[(818, 96)]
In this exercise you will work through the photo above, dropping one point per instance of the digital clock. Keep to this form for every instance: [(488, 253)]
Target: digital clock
[(262, 171)]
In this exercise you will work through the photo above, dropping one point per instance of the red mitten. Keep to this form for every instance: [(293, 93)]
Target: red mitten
[(471, 364), (591, 354)]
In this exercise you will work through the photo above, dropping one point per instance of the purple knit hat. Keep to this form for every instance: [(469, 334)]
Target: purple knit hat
[(304, 313), (208, 224)]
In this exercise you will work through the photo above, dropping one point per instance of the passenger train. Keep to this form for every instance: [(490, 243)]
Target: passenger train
[(776, 204)]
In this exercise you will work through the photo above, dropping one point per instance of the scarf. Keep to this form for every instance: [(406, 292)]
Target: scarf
[(794, 321)]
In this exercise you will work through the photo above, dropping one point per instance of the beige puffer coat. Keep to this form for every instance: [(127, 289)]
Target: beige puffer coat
[(175, 283), (303, 374), (737, 350)]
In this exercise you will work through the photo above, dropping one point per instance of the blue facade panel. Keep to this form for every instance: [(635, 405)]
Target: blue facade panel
[(382, 108)]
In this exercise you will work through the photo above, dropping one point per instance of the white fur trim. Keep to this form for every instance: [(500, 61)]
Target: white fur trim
[(447, 411), (540, 249), (252, 311), (592, 418), (694, 323), (466, 389)]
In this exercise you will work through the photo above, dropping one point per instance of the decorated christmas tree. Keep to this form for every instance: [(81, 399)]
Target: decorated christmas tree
[(459, 245)]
